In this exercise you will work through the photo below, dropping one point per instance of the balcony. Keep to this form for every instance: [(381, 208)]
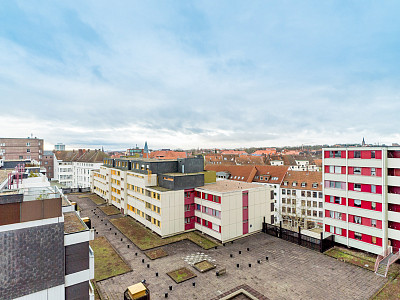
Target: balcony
[(393, 180)]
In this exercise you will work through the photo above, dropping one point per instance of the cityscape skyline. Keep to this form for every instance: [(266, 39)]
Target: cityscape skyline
[(193, 75)]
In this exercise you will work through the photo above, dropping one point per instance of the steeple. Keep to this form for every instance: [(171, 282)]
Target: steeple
[(363, 142), (146, 150)]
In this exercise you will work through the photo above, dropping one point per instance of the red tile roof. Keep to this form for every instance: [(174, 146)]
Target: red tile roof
[(241, 173), (166, 154), (237, 152), (309, 178), (265, 151)]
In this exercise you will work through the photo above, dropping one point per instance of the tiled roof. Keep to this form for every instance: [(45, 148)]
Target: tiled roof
[(270, 174), (250, 160), (240, 173), (237, 152), (299, 177), (81, 155), (265, 151), (164, 154)]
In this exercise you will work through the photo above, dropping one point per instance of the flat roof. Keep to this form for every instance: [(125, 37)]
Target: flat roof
[(182, 174), (4, 174), (72, 223), (159, 188), (224, 186), (143, 159)]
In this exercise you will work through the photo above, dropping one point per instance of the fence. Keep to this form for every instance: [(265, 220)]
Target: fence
[(321, 244)]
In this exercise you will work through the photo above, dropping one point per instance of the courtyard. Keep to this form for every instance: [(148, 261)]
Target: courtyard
[(290, 272)]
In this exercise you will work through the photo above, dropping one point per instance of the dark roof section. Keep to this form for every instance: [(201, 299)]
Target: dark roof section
[(82, 155)]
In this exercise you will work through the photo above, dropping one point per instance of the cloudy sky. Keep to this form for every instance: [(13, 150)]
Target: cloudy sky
[(189, 74)]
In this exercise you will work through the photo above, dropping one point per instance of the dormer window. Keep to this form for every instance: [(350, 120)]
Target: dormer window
[(294, 183), (303, 184), (285, 183), (315, 185), (261, 177)]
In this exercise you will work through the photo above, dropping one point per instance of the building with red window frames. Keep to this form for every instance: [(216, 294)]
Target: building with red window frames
[(362, 197), (229, 209)]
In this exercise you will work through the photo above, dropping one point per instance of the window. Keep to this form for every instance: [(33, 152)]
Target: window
[(373, 189), (373, 238), (198, 207), (357, 171), (357, 187), (308, 194), (357, 154), (337, 200), (358, 236), (283, 192), (293, 192), (357, 203), (309, 203), (373, 205), (315, 185), (335, 154), (148, 218), (315, 203), (357, 219), (283, 200), (294, 183), (338, 215), (198, 220), (320, 195), (373, 172), (303, 184), (315, 213), (303, 193), (314, 194), (285, 183), (303, 202), (372, 154), (338, 230), (320, 204), (320, 214), (187, 220), (28, 150), (187, 207)]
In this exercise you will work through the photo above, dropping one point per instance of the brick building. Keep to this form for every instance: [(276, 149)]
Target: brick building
[(48, 163), (22, 148)]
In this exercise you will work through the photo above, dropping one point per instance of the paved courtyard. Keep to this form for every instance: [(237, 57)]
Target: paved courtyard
[(291, 272)]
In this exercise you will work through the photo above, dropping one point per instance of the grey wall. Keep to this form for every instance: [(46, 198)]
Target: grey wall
[(181, 182), (76, 258), (12, 198), (190, 165), (31, 260), (78, 291)]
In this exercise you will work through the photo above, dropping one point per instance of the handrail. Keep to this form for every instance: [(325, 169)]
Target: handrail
[(385, 253), (378, 260), (392, 260)]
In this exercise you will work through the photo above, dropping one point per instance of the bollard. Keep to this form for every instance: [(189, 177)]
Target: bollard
[(136, 254), (194, 283), (105, 224), (110, 228), (237, 265), (231, 255), (97, 232), (121, 240), (142, 260), (248, 249), (166, 295), (216, 247), (266, 258), (156, 274), (170, 287), (249, 265), (148, 265), (240, 252), (259, 261), (115, 233), (127, 246)]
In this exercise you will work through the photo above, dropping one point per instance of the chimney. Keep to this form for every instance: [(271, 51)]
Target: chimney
[(80, 152)]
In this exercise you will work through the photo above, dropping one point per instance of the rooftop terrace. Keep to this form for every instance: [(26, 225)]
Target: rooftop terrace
[(72, 223)]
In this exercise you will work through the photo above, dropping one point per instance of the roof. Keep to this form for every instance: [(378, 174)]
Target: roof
[(240, 173), (271, 174), (225, 186), (237, 152), (300, 177), (250, 160), (81, 155), (4, 174), (166, 154), (72, 223), (265, 151)]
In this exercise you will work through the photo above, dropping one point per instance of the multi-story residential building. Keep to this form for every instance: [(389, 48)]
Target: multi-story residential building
[(172, 196), (362, 197), (59, 147), (302, 200), (73, 168), (22, 148), (48, 163), (44, 244)]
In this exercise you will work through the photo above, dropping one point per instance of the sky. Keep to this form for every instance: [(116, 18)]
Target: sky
[(200, 74)]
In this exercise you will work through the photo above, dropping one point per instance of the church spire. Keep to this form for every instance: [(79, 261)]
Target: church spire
[(363, 142)]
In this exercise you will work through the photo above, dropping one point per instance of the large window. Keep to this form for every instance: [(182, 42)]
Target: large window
[(357, 219), (335, 169), (335, 154), (357, 171), (358, 236), (357, 154), (357, 203), (373, 172), (357, 187)]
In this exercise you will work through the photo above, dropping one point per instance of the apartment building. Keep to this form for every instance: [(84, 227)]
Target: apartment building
[(362, 197), (44, 244), (22, 149), (48, 163), (73, 168), (301, 200), (173, 196)]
